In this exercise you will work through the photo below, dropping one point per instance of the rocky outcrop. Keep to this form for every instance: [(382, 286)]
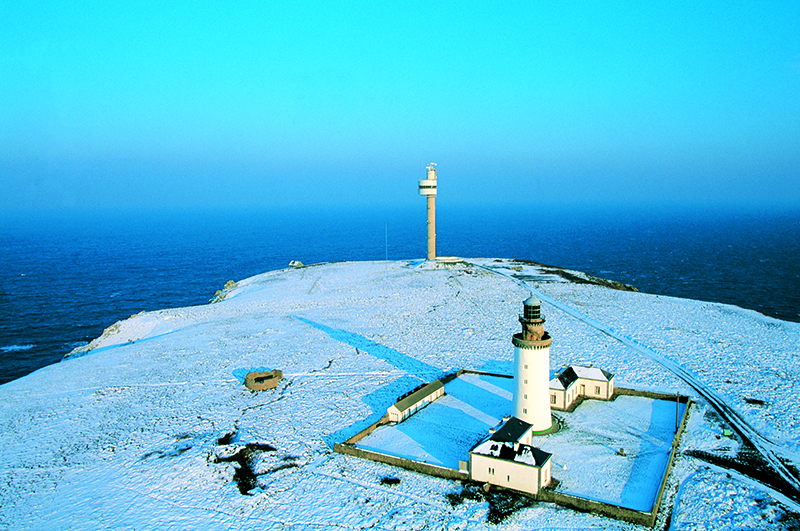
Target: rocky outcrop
[(220, 294), (579, 277)]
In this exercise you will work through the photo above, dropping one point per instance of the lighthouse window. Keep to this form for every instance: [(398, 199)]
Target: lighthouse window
[(526, 396), (525, 411), (532, 312), (526, 366), (526, 381)]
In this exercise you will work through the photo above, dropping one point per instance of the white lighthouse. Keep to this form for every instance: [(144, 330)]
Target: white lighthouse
[(427, 187), (532, 368)]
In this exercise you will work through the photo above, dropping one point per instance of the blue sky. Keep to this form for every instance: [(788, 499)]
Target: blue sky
[(196, 104)]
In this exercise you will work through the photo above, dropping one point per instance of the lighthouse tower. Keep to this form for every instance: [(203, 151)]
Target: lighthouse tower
[(532, 368), (427, 187)]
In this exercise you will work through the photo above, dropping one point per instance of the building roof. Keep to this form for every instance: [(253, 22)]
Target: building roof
[(570, 375), (512, 431), (503, 444), (532, 301), (592, 373), (508, 451), (408, 401), (261, 370)]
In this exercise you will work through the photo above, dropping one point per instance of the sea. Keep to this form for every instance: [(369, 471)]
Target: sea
[(67, 276)]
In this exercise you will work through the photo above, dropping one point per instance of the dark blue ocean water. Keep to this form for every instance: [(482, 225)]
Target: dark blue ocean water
[(64, 278)]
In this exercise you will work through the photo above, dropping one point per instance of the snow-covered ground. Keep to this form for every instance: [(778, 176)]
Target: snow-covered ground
[(134, 433)]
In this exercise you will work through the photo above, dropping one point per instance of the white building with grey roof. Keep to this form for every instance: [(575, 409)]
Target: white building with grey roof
[(507, 459), (578, 381), (411, 403)]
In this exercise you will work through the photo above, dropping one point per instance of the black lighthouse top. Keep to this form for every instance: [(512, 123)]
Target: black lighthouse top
[(532, 309)]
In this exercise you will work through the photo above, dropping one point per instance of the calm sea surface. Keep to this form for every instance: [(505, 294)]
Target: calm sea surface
[(64, 279)]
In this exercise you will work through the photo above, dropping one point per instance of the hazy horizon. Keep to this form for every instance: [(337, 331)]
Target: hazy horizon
[(201, 105)]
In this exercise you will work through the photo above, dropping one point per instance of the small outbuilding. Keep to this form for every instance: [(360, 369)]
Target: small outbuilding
[(577, 380), (263, 380), (410, 404)]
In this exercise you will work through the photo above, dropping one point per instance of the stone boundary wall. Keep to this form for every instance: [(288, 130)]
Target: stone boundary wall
[(366, 431), (470, 371), (565, 500), (597, 507), (651, 394), (402, 462)]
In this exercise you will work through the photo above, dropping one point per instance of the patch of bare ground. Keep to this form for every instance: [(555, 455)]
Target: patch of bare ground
[(749, 462), (244, 457), (577, 279), (502, 503)]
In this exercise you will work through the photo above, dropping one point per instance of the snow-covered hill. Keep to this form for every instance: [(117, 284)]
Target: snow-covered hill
[(148, 426)]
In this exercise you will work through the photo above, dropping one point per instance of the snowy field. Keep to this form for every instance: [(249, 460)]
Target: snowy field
[(137, 431)]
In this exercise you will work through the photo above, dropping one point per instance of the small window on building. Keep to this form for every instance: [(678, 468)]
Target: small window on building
[(526, 366), (525, 411), (526, 381), (508, 479), (552, 399), (597, 389), (526, 396)]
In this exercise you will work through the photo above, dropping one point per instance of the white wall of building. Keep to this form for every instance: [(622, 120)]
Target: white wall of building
[(397, 414), (600, 390), (509, 474), (532, 384)]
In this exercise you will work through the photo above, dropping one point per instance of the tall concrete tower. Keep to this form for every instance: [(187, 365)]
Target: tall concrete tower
[(427, 187), (532, 368)]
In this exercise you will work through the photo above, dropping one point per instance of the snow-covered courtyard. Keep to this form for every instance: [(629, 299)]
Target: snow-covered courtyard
[(587, 461), (586, 452)]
